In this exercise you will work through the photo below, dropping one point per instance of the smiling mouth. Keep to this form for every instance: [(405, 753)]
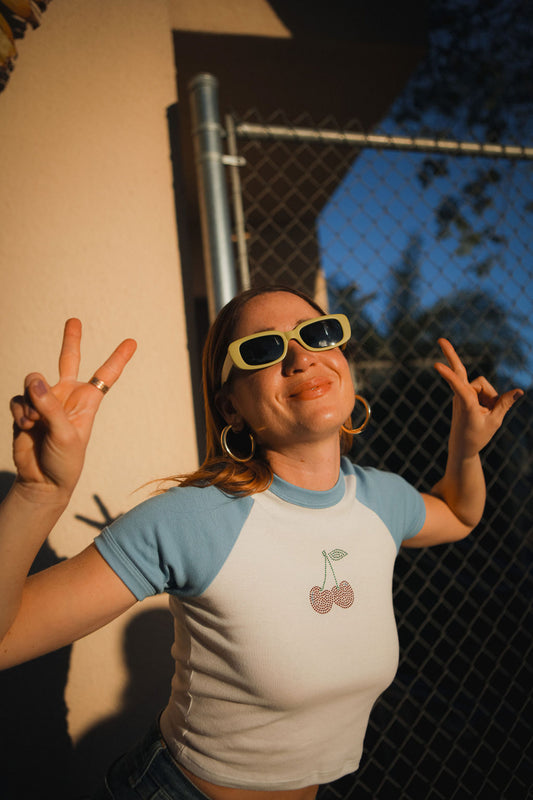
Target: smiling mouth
[(311, 389)]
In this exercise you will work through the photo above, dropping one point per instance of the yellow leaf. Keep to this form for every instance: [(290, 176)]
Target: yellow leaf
[(8, 51), (25, 9)]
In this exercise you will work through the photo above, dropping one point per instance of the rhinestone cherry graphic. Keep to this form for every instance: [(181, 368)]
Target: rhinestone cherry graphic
[(341, 594), (321, 599)]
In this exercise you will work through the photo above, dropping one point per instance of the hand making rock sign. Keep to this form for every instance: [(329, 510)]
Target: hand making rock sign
[(478, 409), (455, 504)]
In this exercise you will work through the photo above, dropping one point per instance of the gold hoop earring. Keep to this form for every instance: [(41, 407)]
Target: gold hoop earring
[(368, 412), (227, 449)]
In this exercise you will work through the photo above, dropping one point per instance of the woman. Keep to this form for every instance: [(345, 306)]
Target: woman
[(277, 553)]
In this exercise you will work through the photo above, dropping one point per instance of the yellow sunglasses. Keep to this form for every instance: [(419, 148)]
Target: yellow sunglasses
[(261, 350)]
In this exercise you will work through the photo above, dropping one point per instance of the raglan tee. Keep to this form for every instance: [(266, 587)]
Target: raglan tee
[(284, 628)]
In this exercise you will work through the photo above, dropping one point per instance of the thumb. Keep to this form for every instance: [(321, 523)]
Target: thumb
[(45, 403)]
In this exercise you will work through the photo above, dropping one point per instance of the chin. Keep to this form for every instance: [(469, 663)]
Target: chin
[(328, 426)]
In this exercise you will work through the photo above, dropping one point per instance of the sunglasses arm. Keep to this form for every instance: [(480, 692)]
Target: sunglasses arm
[(226, 369)]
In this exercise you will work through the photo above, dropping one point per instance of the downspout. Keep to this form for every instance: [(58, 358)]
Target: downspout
[(212, 191)]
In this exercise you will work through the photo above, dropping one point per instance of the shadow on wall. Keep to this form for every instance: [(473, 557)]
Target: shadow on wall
[(37, 757), (147, 642), (35, 747)]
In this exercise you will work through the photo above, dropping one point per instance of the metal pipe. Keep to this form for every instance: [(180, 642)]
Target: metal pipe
[(212, 191), (234, 162), (247, 130)]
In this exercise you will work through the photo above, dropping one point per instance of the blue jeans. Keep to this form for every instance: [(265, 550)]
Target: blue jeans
[(148, 772)]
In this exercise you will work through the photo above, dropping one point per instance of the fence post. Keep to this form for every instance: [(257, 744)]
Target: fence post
[(212, 192)]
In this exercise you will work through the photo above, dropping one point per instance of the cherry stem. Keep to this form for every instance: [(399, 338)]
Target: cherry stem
[(326, 562)]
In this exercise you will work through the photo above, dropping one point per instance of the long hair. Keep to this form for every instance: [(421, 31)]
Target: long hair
[(218, 469)]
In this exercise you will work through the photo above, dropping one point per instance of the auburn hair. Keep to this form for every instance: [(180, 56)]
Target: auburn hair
[(218, 468)]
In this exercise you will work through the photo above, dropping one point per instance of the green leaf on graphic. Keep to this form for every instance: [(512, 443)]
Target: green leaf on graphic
[(336, 555)]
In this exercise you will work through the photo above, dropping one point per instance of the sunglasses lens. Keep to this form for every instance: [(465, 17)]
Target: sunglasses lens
[(262, 350), (322, 333)]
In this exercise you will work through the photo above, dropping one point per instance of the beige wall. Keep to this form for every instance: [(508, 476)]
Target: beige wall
[(242, 17), (88, 229)]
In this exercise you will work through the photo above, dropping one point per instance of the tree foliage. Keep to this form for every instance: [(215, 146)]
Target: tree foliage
[(477, 76), (476, 82), (475, 319)]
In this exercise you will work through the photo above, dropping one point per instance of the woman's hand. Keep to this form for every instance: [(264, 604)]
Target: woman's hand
[(478, 410), (455, 504), (52, 424)]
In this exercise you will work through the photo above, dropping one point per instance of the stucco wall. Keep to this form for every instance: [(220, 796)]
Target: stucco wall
[(87, 229), (246, 17)]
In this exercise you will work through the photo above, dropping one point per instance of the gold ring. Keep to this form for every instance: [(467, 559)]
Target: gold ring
[(99, 385)]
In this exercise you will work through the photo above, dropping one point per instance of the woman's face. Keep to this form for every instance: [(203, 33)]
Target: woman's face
[(304, 398)]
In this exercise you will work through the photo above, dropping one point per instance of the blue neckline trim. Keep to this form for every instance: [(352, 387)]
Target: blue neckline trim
[(308, 498)]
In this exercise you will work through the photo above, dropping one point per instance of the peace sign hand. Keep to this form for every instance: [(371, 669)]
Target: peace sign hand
[(478, 410), (52, 424)]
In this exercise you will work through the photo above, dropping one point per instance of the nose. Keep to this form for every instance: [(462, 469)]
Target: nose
[(298, 359)]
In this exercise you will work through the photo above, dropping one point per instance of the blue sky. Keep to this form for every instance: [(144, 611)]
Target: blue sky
[(380, 204), (475, 77)]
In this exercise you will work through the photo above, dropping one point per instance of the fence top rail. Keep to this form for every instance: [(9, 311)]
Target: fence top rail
[(248, 130)]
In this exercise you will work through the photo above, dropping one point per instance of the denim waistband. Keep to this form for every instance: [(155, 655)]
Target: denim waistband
[(148, 772)]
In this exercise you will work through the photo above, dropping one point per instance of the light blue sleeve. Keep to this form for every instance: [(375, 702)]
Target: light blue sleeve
[(398, 504), (175, 542)]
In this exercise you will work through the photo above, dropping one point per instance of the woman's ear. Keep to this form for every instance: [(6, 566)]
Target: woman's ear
[(227, 410)]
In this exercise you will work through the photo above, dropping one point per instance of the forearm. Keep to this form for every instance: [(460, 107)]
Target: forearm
[(462, 486), (26, 519)]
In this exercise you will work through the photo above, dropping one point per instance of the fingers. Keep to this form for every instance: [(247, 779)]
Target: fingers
[(70, 355), (453, 359), (457, 383), (485, 394), (38, 403), (112, 368), (22, 407), (506, 401), (21, 413)]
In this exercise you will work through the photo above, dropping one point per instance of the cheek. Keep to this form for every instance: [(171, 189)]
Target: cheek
[(253, 393), (340, 363), (346, 371), (348, 389)]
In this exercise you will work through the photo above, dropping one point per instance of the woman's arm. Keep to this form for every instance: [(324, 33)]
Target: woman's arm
[(455, 504), (62, 604), (52, 427)]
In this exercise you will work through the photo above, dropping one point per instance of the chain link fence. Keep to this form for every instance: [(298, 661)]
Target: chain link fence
[(413, 243)]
